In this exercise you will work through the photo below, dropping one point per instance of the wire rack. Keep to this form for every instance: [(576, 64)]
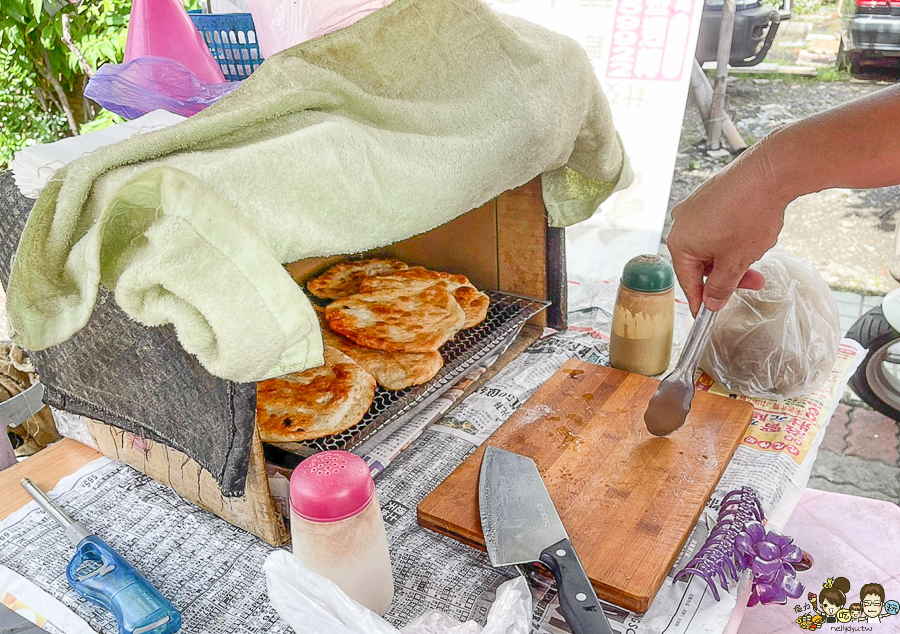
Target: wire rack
[(506, 315)]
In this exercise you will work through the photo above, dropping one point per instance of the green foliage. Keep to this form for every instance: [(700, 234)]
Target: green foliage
[(42, 78), (833, 74), (103, 120), (22, 121), (805, 7)]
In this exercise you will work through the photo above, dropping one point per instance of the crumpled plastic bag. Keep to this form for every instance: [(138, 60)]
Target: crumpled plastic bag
[(779, 342), (312, 604), (145, 84), (281, 24)]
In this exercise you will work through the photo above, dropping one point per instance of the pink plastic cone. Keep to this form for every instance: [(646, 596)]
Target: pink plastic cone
[(162, 28)]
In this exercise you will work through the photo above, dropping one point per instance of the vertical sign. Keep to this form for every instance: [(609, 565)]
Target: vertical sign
[(650, 40), (642, 52)]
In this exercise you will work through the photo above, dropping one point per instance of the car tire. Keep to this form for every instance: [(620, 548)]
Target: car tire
[(855, 63), (872, 384)]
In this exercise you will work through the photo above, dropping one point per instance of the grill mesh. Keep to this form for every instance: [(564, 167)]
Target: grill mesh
[(506, 314)]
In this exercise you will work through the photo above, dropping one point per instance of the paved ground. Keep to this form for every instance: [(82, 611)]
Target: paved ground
[(860, 454)]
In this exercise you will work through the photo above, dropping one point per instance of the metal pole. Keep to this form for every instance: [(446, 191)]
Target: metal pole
[(46, 503), (726, 33), (703, 95)]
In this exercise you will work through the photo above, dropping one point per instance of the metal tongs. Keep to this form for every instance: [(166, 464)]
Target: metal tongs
[(671, 403)]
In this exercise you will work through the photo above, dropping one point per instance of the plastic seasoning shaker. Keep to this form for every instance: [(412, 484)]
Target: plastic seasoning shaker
[(643, 317), (337, 529)]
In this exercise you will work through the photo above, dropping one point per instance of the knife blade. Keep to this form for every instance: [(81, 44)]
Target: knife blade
[(16, 410), (521, 525), (13, 623)]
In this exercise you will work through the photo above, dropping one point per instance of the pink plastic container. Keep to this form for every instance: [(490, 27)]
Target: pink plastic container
[(336, 527), (162, 28)]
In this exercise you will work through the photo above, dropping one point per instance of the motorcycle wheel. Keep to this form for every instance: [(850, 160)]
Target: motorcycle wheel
[(877, 380)]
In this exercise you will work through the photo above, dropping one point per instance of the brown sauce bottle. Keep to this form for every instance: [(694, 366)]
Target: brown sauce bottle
[(643, 317)]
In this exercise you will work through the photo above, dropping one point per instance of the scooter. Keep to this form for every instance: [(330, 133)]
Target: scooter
[(877, 380)]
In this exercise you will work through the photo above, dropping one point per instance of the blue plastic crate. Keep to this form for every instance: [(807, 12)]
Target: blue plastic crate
[(231, 39)]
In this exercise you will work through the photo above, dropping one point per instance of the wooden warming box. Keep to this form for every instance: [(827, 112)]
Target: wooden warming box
[(504, 245)]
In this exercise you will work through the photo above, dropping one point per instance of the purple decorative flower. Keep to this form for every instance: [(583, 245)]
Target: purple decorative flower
[(739, 542)]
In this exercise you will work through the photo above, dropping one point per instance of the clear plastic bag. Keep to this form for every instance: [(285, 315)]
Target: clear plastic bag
[(312, 604), (145, 84), (779, 342)]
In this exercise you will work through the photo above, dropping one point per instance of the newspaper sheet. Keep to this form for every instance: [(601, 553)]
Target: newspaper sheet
[(210, 570), (213, 571)]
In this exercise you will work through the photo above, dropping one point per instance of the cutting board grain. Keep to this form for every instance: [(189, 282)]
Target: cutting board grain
[(628, 499)]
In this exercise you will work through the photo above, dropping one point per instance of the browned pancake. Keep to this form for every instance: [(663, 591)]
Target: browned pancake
[(392, 370), (397, 320), (473, 302), (316, 402), (343, 279)]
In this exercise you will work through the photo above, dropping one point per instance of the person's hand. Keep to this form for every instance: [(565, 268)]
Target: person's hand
[(722, 228)]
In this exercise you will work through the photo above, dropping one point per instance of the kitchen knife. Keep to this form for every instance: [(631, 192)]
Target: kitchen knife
[(12, 623), (15, 411), (521, 525)]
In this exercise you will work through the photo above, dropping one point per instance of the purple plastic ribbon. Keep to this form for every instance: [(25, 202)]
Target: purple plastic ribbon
[(739, 542)]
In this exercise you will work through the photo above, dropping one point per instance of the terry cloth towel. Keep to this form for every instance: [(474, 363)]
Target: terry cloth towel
[(139, 379), (369, 135)]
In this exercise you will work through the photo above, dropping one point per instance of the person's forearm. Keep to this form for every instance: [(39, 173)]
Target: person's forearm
[(733, 218), (856, 146)]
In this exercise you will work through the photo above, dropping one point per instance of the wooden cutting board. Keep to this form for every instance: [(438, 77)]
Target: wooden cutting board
[(628, 499)]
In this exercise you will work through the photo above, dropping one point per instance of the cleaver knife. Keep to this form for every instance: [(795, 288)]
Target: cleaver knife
[(15, 411), (22, 406), (521, 525)]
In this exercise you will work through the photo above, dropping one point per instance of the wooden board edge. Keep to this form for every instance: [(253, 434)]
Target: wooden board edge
[(46, 468), (429, 522)]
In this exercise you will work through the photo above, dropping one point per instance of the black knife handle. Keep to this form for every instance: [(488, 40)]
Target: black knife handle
[(577, 599)]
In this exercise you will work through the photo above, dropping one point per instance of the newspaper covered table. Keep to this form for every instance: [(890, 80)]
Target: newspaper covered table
[(213, 573)]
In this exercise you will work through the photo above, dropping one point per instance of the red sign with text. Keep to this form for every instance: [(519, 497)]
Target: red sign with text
[(650, 39)]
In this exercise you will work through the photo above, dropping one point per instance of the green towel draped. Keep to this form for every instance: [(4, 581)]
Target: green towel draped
[(364, 137)]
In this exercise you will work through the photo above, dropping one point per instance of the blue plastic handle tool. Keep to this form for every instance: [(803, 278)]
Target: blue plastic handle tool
[(110, 581), (101, 575)]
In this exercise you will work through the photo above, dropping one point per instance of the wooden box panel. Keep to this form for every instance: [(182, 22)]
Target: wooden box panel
[(503, 245)]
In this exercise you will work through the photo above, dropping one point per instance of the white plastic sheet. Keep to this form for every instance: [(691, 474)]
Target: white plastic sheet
[(281, 24), (312, 604)]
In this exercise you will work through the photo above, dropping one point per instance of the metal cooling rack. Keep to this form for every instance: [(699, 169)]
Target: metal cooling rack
[(507, 313)]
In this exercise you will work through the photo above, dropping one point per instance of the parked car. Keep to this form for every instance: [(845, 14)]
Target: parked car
[(870, 29), (755, 26)]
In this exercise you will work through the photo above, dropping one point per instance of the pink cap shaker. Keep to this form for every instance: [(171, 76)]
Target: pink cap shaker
[(336, 527)]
